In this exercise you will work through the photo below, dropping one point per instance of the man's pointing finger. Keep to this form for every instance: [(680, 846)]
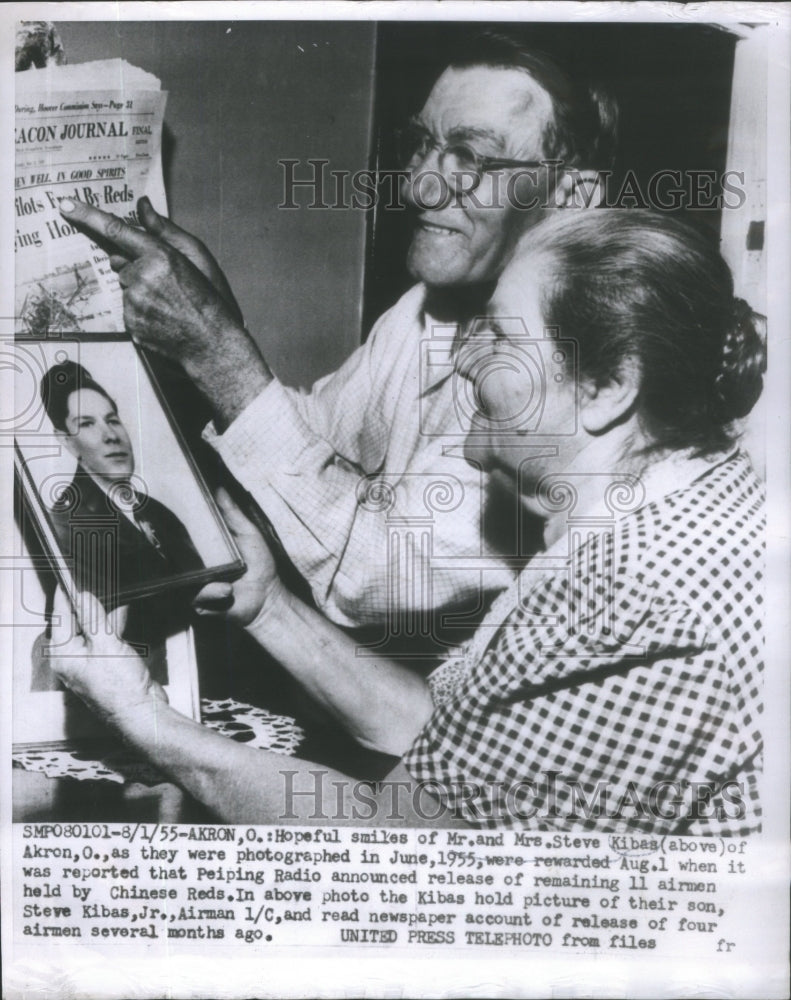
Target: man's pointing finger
[(106, 227)]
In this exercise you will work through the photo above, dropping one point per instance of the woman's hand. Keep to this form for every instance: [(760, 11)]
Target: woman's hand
[(100, 669), (243, 600)]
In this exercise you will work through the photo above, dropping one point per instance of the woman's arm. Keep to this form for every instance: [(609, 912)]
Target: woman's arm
[(238, 783), (244, 785), (380, 703)]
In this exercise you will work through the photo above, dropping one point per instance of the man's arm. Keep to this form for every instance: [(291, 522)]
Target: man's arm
[(304, 457), (311, 462)]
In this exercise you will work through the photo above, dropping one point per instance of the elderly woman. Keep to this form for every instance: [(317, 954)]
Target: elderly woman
[(617, 684)]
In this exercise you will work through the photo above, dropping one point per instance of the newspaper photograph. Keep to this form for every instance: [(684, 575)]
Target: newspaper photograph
[(395, 497), (100, 147)]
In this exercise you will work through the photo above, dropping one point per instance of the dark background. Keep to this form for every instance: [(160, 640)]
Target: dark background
[(241, 96)]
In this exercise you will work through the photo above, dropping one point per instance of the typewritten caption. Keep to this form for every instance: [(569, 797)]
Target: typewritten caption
[(261, 886)]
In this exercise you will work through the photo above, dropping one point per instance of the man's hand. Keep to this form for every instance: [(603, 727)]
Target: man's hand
[(192, 248), (103, 671), (243, 600), (179, 305), (169, 305)]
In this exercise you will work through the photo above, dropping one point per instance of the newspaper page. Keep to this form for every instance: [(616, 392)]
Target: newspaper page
[(100, 146), (338, 824)]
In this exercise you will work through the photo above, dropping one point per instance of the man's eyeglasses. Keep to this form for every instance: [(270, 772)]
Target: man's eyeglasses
[(456, 160)]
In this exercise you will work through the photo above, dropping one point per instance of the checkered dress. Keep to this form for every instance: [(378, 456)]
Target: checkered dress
[(623, 692)]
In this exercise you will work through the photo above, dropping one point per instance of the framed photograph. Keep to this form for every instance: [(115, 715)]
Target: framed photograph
[(109, 502), (587, 795), (45, 714), (108, 478)]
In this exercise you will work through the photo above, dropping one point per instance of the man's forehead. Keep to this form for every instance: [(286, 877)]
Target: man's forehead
[(504, 101)]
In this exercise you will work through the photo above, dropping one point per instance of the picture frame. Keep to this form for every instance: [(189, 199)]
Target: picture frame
[(108, 500), (149, 485), (46, 716)]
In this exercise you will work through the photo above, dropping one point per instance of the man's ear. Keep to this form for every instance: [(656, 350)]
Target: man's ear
[(580, 189), (68, 442), (603, 406)]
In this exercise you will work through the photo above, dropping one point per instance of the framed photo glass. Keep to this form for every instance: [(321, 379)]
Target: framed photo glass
[(110, 502)]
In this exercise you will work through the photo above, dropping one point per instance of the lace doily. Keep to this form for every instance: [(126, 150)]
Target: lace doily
[(232, 719)]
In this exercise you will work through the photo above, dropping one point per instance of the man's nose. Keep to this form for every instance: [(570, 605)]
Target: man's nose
[(426, 188)]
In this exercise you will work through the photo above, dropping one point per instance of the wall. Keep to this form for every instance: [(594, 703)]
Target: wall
[(243, 95)]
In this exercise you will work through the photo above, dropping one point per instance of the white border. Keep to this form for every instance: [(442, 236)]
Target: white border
[(387, 974)]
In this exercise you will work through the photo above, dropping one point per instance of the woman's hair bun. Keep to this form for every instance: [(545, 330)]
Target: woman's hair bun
[(743, 363)]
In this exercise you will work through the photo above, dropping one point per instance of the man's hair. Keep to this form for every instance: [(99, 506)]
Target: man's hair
[(646, 286), (583, 132), (59, 382)]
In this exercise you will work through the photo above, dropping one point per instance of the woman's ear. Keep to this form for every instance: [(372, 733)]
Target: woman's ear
[(580, 189), (603, 406)]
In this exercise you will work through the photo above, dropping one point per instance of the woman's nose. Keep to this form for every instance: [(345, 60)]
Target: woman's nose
[(464, 363), (473, 353)]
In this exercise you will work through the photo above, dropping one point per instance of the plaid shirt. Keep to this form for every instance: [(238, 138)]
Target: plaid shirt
[(624, 687), (359, 476)]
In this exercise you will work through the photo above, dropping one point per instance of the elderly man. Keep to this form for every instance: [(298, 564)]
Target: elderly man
[(503, 133)]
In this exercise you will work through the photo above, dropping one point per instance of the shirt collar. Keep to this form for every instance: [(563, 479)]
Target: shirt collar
[(670, 474)]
